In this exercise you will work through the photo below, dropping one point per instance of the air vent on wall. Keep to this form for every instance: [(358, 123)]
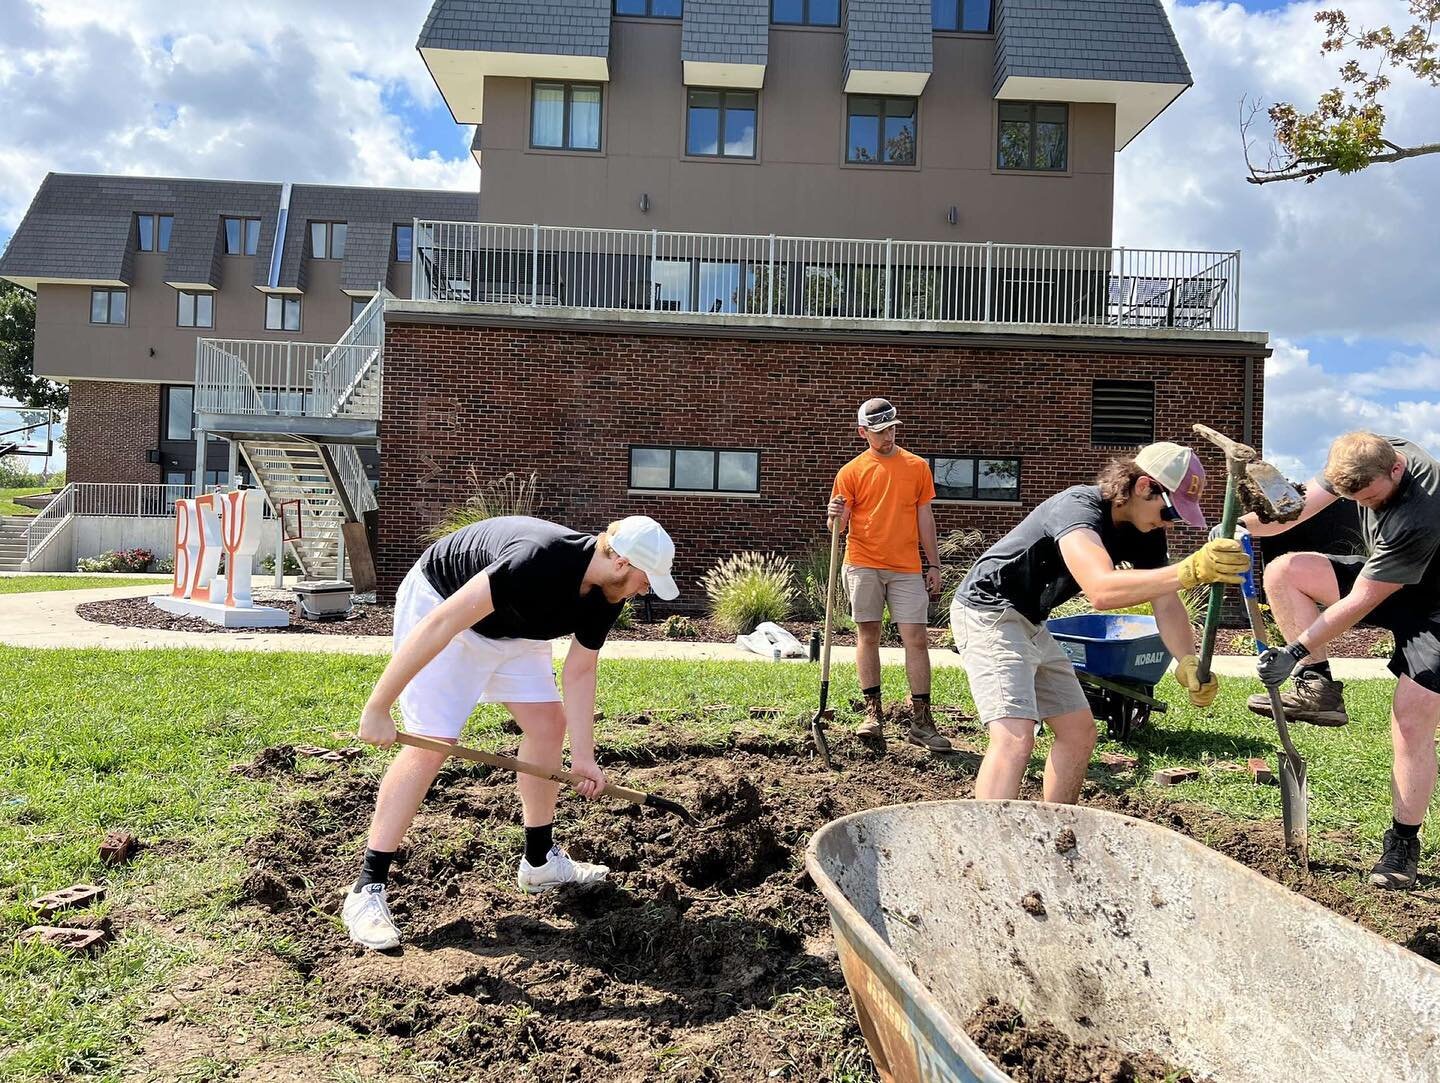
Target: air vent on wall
[(1122, 412)]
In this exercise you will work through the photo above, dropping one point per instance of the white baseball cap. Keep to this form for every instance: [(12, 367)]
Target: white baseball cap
[(643, 542), (877, 415), (1179, 472)]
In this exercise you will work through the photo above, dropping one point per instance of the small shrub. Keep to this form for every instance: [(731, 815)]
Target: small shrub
[(959, 550), (512, 494), (1242, 643), (118, 560), (749, 588), (679, 627), (1383, 647), (291, 565), (164, 564), (626, 619)]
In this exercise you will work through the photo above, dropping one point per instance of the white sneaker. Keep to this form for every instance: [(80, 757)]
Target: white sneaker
[(558, 869), (367, 918)]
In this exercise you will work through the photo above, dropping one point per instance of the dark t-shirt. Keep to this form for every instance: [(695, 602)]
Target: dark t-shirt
[(1025, 571), (535, 568), (1403, 537)]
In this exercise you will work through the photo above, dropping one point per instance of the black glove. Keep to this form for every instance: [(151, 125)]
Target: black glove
[(1275, 665)]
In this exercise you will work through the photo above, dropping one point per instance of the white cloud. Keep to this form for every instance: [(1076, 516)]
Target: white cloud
[(1345, 256), (260, 90)]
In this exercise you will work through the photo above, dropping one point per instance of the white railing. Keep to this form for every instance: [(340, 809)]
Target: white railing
[(824, 278), (129, 501), (52, 517), (351, 360), (352, 476)]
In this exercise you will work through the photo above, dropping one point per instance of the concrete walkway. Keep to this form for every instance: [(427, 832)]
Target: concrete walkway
[(48, 619)]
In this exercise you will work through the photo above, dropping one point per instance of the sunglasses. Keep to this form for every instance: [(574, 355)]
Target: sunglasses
[(1168, 513)]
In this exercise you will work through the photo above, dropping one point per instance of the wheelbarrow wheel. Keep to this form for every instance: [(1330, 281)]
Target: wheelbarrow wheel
[(1128, 715)]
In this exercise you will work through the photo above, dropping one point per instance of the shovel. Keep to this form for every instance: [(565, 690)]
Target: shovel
[(1294, 792), (505, 763), (817, 724)]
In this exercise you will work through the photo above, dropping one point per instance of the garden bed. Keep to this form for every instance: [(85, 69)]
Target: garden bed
[(365, 619)]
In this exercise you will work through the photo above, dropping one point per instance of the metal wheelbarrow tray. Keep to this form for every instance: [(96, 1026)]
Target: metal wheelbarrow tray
[(1159, 943), (1119, 658)]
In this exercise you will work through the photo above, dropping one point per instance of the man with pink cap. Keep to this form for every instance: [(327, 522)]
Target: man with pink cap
[(1107, 540)]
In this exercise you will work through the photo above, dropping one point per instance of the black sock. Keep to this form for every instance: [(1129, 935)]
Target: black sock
[(538, 841), (868, 692), (920, 697), (1316, 669), (1406, 831), (376, 869)]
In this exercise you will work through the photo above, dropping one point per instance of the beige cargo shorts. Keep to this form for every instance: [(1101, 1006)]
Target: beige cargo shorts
[(872, 589), (1016, 669)]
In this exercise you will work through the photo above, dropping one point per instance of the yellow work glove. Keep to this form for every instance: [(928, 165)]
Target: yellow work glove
[(1219, 561), (1201, 695)]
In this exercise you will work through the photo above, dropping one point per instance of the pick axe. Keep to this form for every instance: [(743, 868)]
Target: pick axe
[(1273, 499)]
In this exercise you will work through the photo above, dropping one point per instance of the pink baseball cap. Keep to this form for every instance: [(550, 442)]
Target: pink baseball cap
[(1177, 469)]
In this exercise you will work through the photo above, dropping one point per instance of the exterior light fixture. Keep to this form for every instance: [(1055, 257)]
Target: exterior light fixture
[(952, 215), (644, 202)]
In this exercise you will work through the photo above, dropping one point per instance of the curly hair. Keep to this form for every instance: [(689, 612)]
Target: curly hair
[(1117, 480)]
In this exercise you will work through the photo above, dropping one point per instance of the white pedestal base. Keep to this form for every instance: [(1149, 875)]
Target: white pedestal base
[(260, 616)]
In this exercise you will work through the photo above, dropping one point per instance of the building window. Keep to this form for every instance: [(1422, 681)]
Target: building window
[(1033, 136), (728, 470), (565, 116), (195, 309), (357, 306), (108, 306), (975, 477), (656, 9), (973, 16), (153, 232), (404, 242), (282, 312), (242, 236), (327, 240), (1122, 412), (721, 123), (179, 413), (881, 131), (805, 12)]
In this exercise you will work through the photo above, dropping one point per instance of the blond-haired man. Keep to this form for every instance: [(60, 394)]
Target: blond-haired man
[(473, 623), (1395, 585)]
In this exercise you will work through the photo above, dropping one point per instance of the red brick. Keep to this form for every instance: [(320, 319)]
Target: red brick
[(1173, 776)]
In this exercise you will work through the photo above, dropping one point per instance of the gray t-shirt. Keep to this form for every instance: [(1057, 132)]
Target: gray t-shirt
[(1025, 571), (1402, 538)]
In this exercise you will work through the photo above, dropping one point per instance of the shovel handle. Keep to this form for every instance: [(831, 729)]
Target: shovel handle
[(507, 763), (1228, 518), (834, 573)]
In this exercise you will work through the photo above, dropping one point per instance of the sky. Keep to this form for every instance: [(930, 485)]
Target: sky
[(1341, 273)]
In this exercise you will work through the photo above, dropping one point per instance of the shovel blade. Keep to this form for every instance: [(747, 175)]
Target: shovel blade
[(1282, 500), (1295, 807), (822, 746)]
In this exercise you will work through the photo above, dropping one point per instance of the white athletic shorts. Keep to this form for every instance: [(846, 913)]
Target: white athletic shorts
[(471, 669)]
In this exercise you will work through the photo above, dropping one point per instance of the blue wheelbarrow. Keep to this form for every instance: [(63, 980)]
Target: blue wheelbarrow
[(1119, 658)]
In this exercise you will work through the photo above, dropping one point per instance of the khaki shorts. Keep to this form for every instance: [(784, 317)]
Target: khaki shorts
[(1016, 669), (872, 589)]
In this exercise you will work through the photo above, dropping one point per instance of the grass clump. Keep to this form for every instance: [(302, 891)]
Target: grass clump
[(512, 494), (749, 588)]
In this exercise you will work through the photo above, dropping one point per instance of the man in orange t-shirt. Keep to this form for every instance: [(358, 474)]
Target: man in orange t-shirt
[(882, 498)]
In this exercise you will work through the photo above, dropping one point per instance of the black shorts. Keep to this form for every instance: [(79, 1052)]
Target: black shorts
[(1412, 614)]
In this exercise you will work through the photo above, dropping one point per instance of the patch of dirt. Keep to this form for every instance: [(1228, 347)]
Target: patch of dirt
[(365, 619), (710, 631), (1358, 642), (1039, 1053)]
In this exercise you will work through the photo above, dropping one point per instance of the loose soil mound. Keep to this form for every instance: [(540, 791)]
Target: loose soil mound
[(706, 955)]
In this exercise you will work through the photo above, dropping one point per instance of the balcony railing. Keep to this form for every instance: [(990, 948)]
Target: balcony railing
[(824, 279)]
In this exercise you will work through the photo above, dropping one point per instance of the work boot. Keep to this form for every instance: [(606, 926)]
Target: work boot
[(922, 731), (1313, 699), (559, 868), (1396, 867), (872, 730)]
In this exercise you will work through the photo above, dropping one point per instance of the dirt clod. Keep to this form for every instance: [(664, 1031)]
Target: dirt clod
[(1065, 841), (1032, 903)]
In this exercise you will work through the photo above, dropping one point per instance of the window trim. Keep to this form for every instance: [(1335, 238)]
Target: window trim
[(975, 459), (846, 160), (165, 437), (329, 225), (1030, 171), (989, 32), (244, 221), (299, 311), (154, 217), (630, 450), (109, 291), (569, 85), (805, 16), (180, 295), (614, 4), (719, 155), (363, 302)]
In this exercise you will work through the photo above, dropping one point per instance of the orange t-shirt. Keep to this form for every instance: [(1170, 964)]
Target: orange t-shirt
[(883, 494)]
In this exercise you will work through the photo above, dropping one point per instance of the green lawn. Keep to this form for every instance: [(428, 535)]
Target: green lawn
[(96, 739), (30, 584), (8, 505)]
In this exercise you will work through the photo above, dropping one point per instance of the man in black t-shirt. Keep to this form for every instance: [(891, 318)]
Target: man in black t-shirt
[(473, 624), (1075, 542), (1394, 585)]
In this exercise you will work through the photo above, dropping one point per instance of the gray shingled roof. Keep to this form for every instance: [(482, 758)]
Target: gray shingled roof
[(371, 215), (888, 35), (572, 28), (83, 227), (726, 31), (1124, 40)]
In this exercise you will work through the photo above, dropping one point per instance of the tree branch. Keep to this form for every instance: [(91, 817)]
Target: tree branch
[(1294, 171)]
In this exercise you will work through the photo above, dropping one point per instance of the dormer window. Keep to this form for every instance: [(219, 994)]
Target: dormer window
[(152, 232), (327, 240)]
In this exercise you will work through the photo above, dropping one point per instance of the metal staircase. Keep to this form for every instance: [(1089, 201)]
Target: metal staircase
[(298, 412), (12, 543)]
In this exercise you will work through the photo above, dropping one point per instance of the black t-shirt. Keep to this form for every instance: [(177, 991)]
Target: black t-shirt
[(535, 568), (1025, 571)]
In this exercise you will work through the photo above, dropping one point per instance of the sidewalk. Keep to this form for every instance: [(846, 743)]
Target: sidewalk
[(48, 619)]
